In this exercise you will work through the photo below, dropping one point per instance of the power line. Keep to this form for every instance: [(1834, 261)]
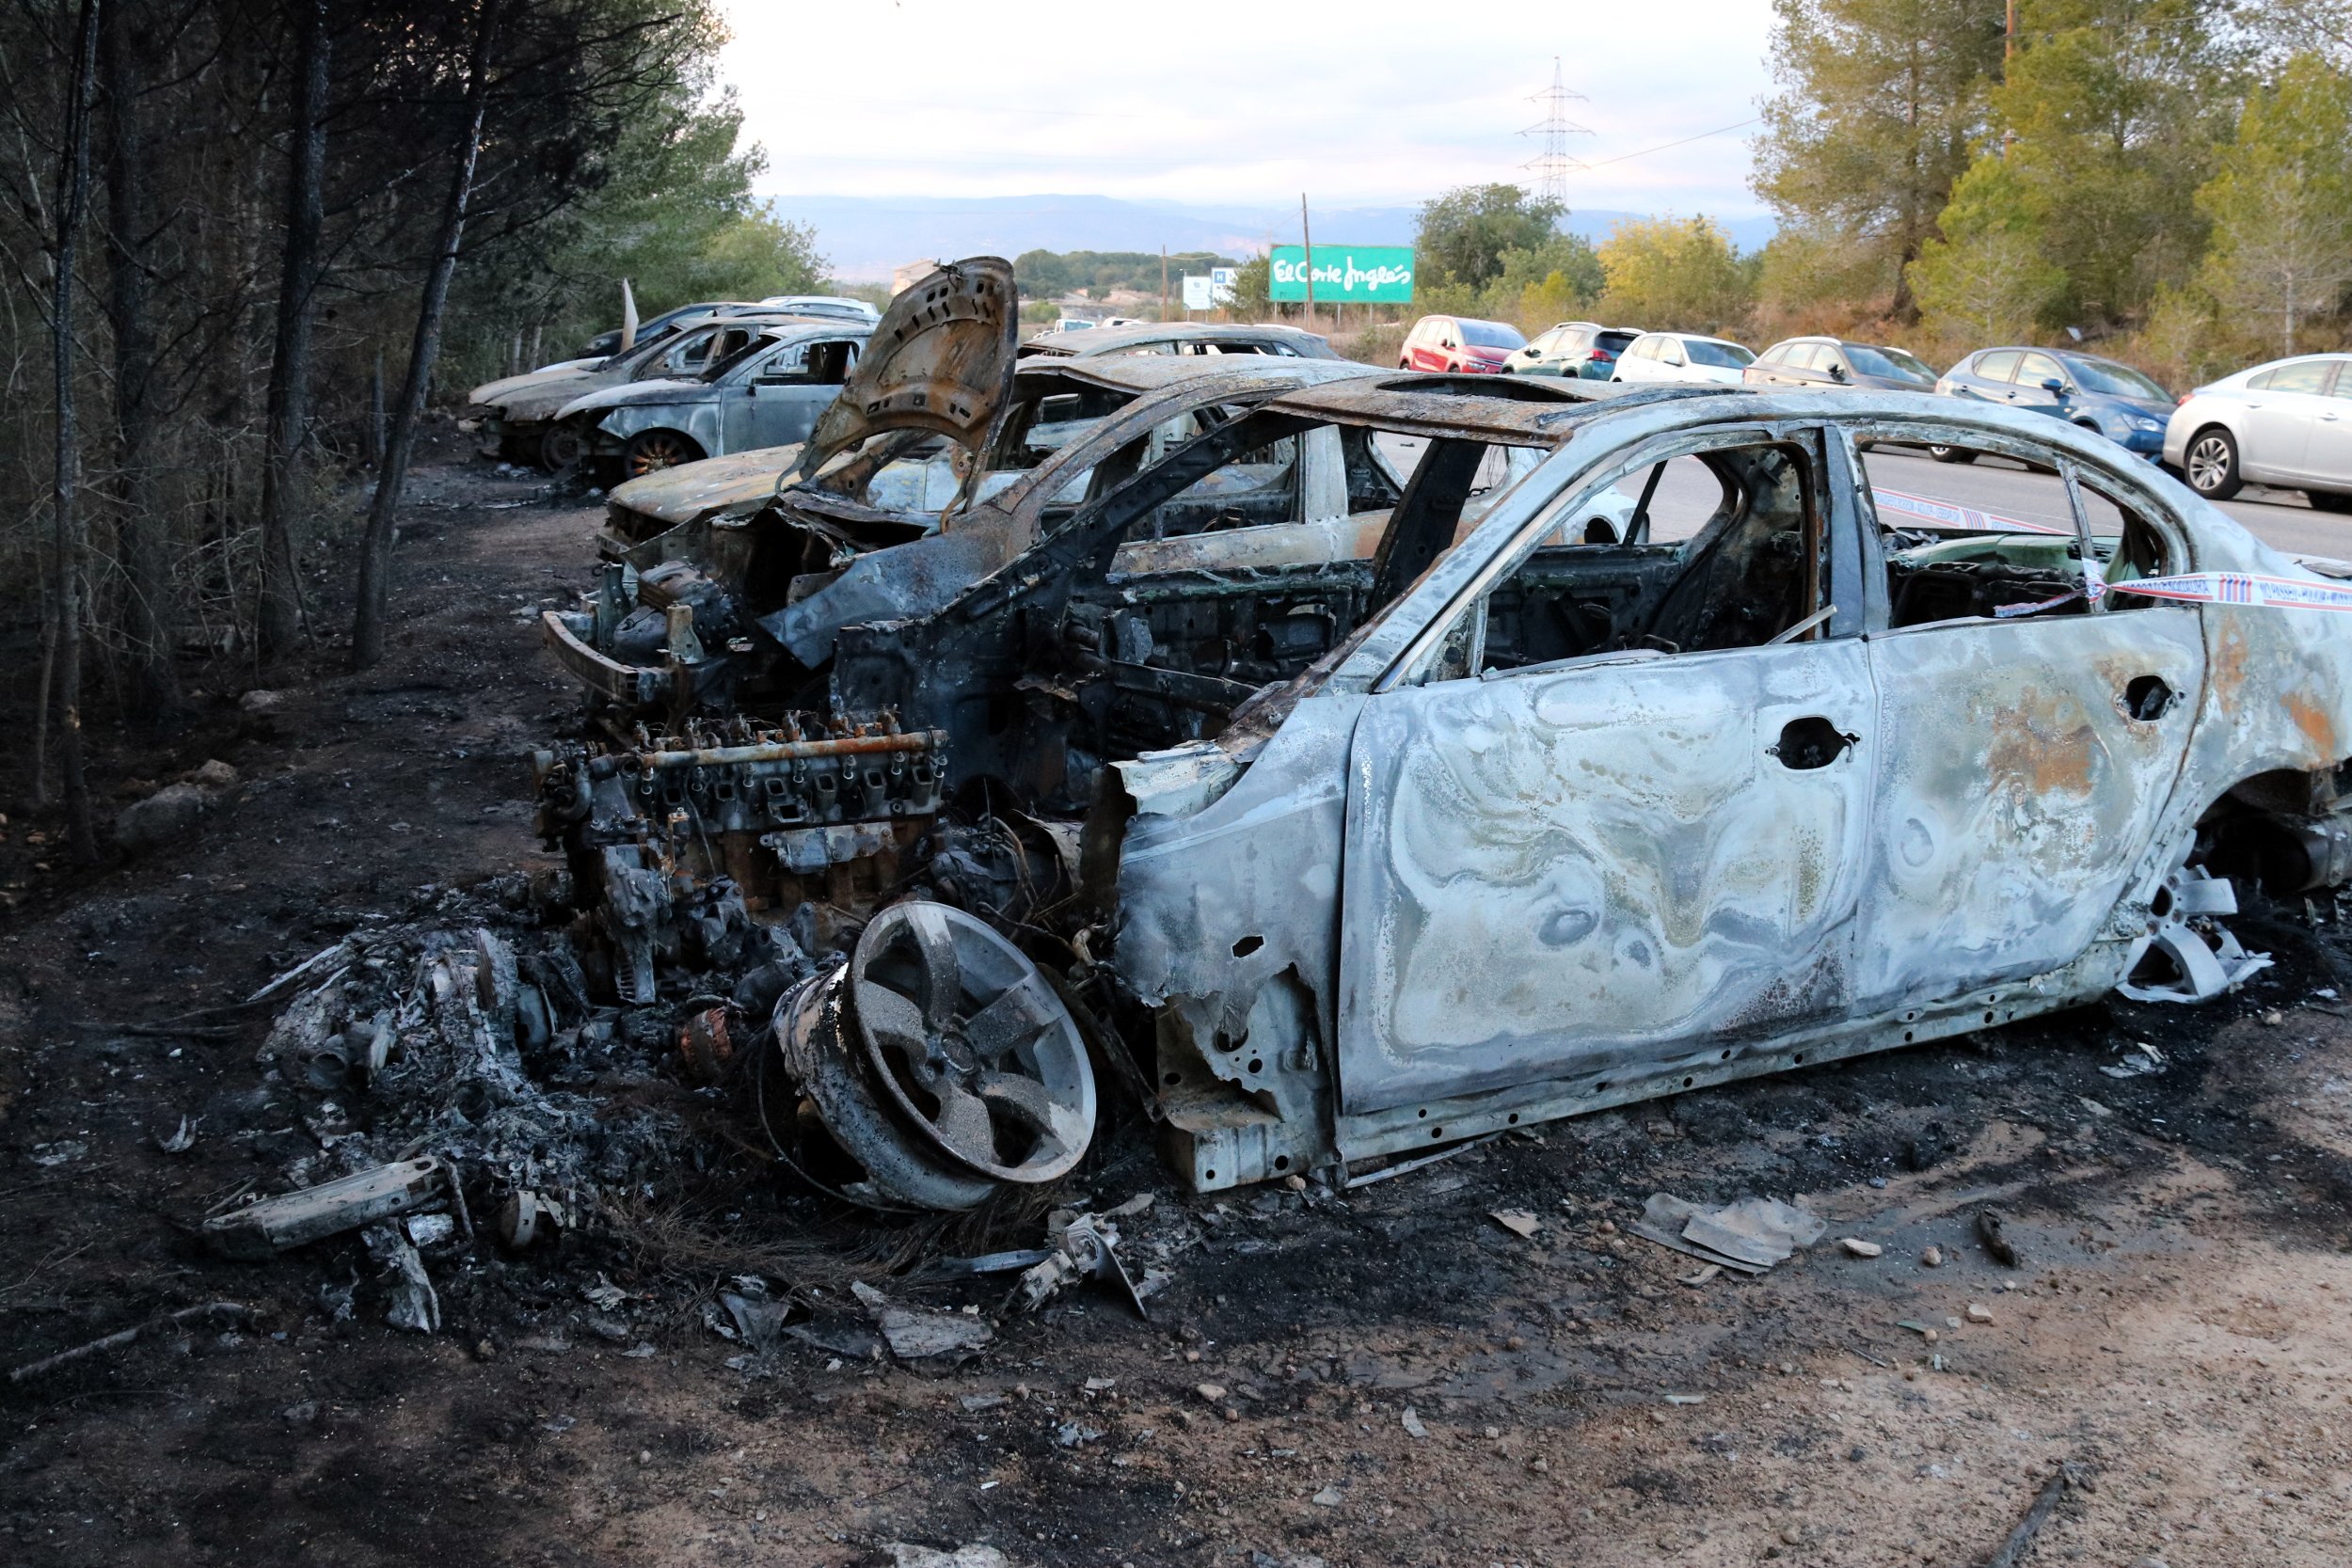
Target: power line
[(1554, 166), (1666, 146)]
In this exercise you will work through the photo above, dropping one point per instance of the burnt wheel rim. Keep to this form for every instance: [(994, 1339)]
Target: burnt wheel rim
[(971, 1043), (651, 455), (560, 448), (2209, 463)]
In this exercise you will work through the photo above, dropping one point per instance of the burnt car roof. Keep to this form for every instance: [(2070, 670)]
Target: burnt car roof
[(1100, 340), (1515, 410), (1148, 373)]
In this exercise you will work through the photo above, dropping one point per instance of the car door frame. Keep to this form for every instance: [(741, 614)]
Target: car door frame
[(2258, 452), (2034, 743), (1406, 710)]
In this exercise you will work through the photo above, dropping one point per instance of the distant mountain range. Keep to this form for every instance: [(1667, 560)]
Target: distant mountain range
[(865, 237)]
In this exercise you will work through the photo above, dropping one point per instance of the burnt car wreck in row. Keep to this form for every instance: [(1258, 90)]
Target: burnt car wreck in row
[(1342, 804)]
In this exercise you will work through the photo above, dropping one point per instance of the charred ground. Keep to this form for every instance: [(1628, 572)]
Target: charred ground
[(2180, 1324)]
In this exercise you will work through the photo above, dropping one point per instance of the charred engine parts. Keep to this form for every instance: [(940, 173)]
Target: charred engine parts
[(680, 846), (938, 1060)]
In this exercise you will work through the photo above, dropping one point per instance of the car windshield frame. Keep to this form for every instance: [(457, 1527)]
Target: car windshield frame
[(2088, 369), (1486, 334), (1733, 356), (762, 344), (1894, 359)]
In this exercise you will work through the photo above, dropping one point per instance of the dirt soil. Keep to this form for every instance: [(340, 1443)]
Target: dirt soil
[(1384, 1376)]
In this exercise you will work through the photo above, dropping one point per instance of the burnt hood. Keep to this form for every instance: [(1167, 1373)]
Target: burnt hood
[(941, 361)]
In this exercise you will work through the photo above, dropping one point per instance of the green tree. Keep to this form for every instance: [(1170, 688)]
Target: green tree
[(1814, 274), (1673, 273), (1464, 233), (1547, 283), (1879, 106), (2280, 203), (1989, 278), (2106, 124)]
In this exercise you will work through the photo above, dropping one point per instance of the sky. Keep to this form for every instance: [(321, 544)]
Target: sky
[(1368, 103)]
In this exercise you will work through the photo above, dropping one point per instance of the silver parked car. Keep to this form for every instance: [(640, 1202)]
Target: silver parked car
[(2288, 423)]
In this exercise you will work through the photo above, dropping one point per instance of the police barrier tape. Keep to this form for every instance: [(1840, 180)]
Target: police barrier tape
[(2235, 588)]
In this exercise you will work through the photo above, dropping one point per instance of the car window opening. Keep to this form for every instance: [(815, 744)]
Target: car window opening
[(1747, 570), (2012, 549)]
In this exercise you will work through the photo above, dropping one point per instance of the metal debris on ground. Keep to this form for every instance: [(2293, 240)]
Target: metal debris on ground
[(1745, 1237), (1518, 1222), (273, 1225), (920, 1333), (2140, 1061), (1085, 1246)]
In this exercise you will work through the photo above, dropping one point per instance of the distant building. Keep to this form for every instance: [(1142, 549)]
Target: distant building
[(907, 276)]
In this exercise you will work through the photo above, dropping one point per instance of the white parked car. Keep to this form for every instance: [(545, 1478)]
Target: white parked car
[(2288, 423), (1683, 359)]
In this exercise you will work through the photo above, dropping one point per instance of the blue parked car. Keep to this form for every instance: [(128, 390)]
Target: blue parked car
[(2081, 389)]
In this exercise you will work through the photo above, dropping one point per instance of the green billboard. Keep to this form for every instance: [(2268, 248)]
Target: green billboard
[(1375, 274)]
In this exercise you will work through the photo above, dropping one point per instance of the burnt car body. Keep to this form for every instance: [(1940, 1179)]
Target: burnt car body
[(1345, 838), (744, 481), (1185, 338), (522, 414), (768, 391)]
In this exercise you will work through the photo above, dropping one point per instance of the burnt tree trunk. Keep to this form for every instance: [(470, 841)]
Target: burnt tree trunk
[(376, 556), (152, 693), (69, 545), (280, 619)]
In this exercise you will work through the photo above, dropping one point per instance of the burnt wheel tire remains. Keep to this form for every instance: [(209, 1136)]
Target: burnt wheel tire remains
[(649, 451), (971, 1043), (561, 447), (2211, 464), (812, 1046)]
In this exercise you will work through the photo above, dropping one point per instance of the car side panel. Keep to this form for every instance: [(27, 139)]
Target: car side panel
[(2015, 798)]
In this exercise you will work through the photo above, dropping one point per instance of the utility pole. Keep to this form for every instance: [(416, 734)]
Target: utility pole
[(1554, 166), (1163, 282), (1306, 248), (2009, 53)]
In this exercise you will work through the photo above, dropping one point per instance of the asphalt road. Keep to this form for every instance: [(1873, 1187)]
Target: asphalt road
[(1688, 494), (2281, 518)]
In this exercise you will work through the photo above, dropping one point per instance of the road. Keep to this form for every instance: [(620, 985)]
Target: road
[(2280, 518), (1687, 495)]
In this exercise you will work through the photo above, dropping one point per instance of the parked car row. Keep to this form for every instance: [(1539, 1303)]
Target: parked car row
[(2285, 423)]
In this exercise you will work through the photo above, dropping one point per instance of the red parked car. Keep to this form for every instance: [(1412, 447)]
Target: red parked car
[(1458, 343)]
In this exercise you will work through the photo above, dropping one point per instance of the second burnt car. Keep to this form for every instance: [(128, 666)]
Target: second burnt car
[(1339, 839)]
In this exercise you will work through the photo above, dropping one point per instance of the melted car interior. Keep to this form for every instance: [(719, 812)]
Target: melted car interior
[(1945, 562)]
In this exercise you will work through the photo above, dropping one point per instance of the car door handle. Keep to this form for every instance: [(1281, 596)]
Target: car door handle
[(2146, 698), (1810, 742)]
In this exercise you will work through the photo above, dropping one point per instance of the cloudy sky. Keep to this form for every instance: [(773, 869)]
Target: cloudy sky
[(1367, 104)]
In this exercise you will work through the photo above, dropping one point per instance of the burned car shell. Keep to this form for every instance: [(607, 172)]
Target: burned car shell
[(1411, 914), (1207, 338), (521, 415), (731, 408)]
